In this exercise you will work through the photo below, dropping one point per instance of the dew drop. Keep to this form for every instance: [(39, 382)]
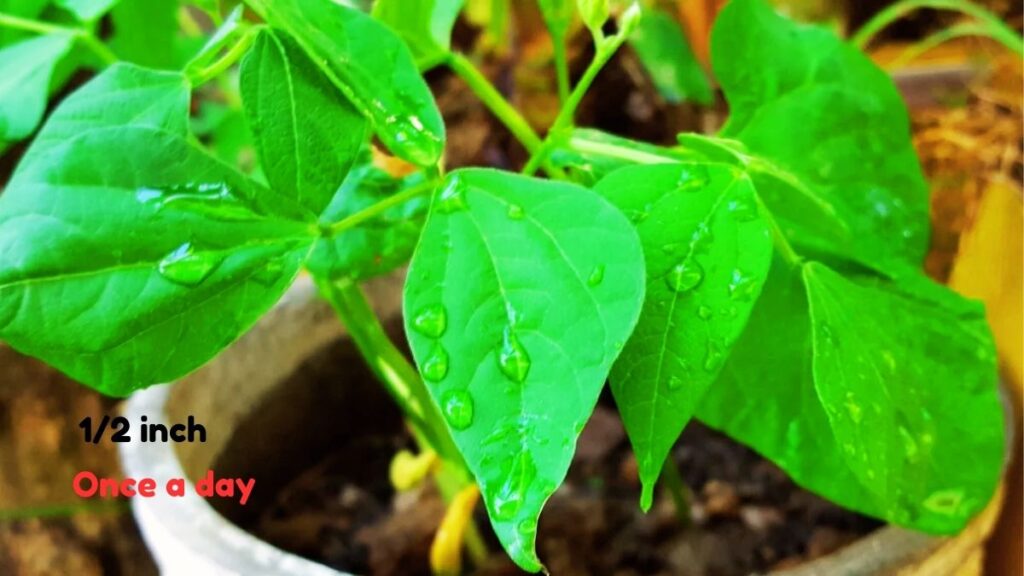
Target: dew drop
[(187, 266), (743, 208), (515, 212), (212, 199), (637, 216), (705, 312), (452, 197), (853, 408), (693, 178), (714, 357), (685, 276), (432, 321), (742, 286), (435, 368), (910, 446), (457, 406), (596, 275), (675, 383), (510, 495), (702, 237), (527, 527), (513, 359)]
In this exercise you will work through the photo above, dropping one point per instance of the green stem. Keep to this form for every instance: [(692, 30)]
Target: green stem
[(500, 107), (561, 66), (997, 29), (785, 249), (677, 489), (403, 383), (379, 208), (233, 55), (606, 48), (87, 38)]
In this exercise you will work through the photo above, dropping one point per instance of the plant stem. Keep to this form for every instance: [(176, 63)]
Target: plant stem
[(997, 29), (402, 381), (677, 489), (500, 107), (561, 66), (233, 55), (606, 48), (379, 208), (87, 38)]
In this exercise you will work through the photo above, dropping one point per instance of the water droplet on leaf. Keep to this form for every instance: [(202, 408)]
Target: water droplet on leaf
[(742, 286), (513, 359), (435, 367), (715, 356), (705, 313), (452, 197), (693, 178), (432, 321), (188, 266), (685, 276), (516, 212), (596, 275), (457, 406), (743, 208)]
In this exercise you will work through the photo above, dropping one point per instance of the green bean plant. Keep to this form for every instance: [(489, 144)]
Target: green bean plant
[(765, 280)]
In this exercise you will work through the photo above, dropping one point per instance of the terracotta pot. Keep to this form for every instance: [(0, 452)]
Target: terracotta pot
[(188, 537)]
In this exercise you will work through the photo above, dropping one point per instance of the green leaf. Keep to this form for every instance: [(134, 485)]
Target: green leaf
[(828, 115), (128, 256), (869, 395), (146, 32), (519, 297), (425, 25), (707, 251), (26, 69), (307, 134), (594, 13), (557, 15), (666, 54), (377, 246), (372, 67), (87, 10)]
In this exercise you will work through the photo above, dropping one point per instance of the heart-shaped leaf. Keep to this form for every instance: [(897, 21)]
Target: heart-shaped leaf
[(519, 298), (129, 256)]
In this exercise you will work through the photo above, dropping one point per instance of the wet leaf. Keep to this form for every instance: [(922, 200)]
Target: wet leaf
[(306, 133), (128, 256), (372, 67), (828, 115), (707, 251), (519, 297), (879, 397)]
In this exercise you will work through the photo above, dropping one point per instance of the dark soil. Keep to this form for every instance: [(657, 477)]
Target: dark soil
[(337, 507)]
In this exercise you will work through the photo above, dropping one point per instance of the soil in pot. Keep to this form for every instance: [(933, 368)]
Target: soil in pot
[(321, 446)]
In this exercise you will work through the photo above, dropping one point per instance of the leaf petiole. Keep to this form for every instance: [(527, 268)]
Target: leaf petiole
[(379, 208), (606, 48), (88, 39), (500, 107), (229, 59)]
